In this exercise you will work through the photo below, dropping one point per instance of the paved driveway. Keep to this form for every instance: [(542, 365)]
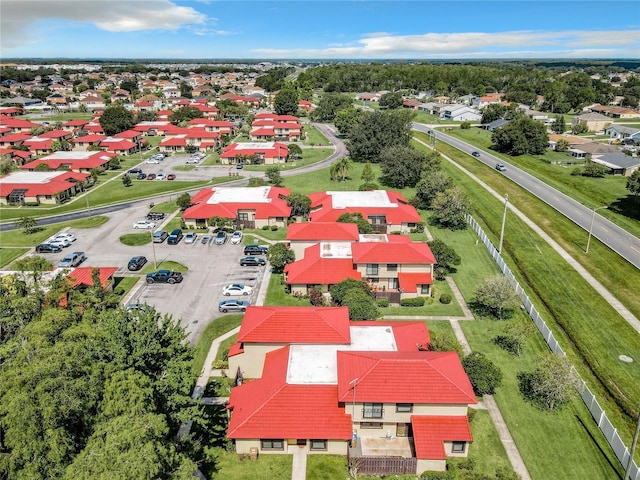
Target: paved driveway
[(195, 300)]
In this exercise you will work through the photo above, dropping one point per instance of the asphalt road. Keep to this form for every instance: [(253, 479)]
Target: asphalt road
[(616, 238)]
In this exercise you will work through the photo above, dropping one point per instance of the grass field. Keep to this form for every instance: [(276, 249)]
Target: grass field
[(215, 329), (17, 238), (314, 137), (136, 239), (8, 255)]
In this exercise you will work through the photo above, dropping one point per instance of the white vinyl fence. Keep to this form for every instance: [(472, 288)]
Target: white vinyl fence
[(599, 416)]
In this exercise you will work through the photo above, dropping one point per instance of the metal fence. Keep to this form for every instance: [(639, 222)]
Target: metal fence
[(599, 416)]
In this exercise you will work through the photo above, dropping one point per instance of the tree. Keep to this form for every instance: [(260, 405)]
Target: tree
[(367, 173), (633, 184), (450, 209), (329, 105), (295, 151), (446, 257), (551, 385), (431, 183), (559, 125), (391, 100), (34, 265), (42, 167), (594, 170), (274, 176), (339, 290), (126, 180), (345, 120), (493, 112), (6, 166), (279, 256), (286, 101), (445, 342), (514, 335), (60, 146), (146, 116), (186, 90), (401, 166), (497, 296), (183, 201), (360, 304), (378, 131), (521, 136), (579, 128), (114, 163), (484, 376), (300, 204), (27, 224), (185, 114), (358, 219), (116, 119), (340, 169), (562, 145)]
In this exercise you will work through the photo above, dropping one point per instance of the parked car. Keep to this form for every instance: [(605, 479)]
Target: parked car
[(174, 237), (141, 176), (239, 166), (205, 239), (153, 161), (221, 238), (190, 237), (72, 260), (233, 306), (136, 263), (48, 248), (160, 236), (192, 161), (171, 176), (236, 289), (160, 176), (155, 216), (500, 167), (255, 250), (67, 236), (151, 176), (135, 170), (252, 261), (236, 238), (60, 241), (164, 276), (144, 224), (475, 153)]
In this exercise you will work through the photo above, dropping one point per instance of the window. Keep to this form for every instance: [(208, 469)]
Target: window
[(393, 283), (404, 407), (378, 219), (372, 410), (372, 269), (318, 444), (424, 289), (364, 425), (392, 267), (272, 444), (458, 447), (243, 216)]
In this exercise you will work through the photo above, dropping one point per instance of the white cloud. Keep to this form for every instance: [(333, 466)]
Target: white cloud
[(20, 16), (475, 44)]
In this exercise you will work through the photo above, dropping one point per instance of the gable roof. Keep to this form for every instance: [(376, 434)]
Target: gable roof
[(82, 275), (315, 269), (618, 160), (404, 377), (317, 231), (295, 325), (392, 252), (39, 183), (430, 433)]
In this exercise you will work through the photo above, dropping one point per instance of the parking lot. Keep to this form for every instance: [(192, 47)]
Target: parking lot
[(194, 300)]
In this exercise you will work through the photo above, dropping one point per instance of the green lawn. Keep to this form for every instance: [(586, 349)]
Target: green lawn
[(314, 137), (230, 466), (320, 180), (218, 327), (591, 192), (309, 157), (136, 239), (276, 294), (17, 238), (126, 283), (8, 255), (166, 265), (326, 467), (278, 235), (435, 309), (225, 345)]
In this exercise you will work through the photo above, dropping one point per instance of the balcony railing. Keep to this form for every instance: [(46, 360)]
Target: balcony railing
[(373, 412)]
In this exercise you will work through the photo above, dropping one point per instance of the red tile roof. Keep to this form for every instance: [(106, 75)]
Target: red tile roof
[(295, 325), (404, 377), (384, 252), (15, 137), (430, 433), (315, 270), (275, 207), (14, 122), (97, 159), (55, 185), (75, 123), (409, 282), (212, 123), (318, 231), (322, 209), (122, 144), (127, 134), (38, 143), (82, 275), (271, 408), (91, 138), (54, 134), (174, 142), (278, 150)]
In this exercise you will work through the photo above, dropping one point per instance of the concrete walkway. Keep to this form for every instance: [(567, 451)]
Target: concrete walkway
[(299, 465)]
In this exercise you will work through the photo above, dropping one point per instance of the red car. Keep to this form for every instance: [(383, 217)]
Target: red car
[(151, 176), (171, 176)]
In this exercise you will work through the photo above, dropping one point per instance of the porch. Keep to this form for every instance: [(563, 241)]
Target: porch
[(383, 456)]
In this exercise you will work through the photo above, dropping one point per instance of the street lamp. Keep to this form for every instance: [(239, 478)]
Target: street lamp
[(504, 218), (593, 216)]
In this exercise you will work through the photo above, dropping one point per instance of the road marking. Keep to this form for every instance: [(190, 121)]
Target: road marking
[(634, 248)]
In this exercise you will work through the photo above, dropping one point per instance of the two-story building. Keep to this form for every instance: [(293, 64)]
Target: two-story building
[(263, 153)]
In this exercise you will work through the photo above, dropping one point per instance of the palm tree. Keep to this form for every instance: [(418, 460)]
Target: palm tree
[(343, 166)]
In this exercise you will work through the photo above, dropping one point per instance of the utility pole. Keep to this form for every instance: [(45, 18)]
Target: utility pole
[(633, 449), (504, 218), (593, 216)]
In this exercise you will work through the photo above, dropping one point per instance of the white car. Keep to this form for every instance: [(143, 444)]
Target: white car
[(236, 289), (144, 224), (69, 236), (160, 176), (152, 160), (236, 238), (60, 242), (190, 237)]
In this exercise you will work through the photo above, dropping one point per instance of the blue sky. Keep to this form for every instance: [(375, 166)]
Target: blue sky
[(319, 29)]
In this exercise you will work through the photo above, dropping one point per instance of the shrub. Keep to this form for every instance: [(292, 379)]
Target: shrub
[(445, 298), (465, 126), (118, 291), (265, 227), (445, 342), (382, 303), (508, 344), (315, 297), (274, 228), (483, 374), (412, 302), (219, 364), (438, 476), (419, 228)]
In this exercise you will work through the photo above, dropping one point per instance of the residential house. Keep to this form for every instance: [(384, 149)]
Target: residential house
[(13, 139), (368, 97), (303, 235), (92, 103), (119, 146), (39, 145), (17, 125), (488, 99), (275, 130), (491, 126), (74, 126), (153, 128), (84, 142), (595, 122), (330, 386), (75, 161), (591, 150), (18, 157), (221, 127), (461, 113), (264, 153), (18, 188), (387, 211), (619, 163), (621, 132), (252, 207)]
